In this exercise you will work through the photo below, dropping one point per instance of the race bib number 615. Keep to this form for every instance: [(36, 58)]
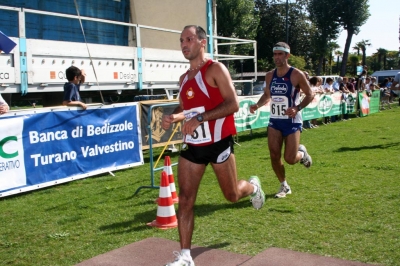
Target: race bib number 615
[(278, 107)]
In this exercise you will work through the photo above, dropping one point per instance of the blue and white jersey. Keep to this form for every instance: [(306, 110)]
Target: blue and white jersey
[(283, 96)]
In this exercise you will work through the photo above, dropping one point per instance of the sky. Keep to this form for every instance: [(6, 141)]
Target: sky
[(381, 29)]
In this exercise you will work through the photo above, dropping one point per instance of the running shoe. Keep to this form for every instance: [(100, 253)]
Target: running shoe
[(181, 260), (306, 160), (257, 198), (283, 191)]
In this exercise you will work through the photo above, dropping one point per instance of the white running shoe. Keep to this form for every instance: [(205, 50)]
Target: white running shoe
[(306, 160), (283, 191), (257, 198), (181, 260)]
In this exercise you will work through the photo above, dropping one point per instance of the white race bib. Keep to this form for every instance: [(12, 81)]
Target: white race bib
[(202, 132), (279, 105)]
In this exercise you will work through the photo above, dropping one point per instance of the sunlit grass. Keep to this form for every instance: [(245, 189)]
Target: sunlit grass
[(345, 206)]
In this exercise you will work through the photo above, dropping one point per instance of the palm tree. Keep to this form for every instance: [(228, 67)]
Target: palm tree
[(357, 47), (331, 47), (381, 52), (354, 60), (363, 46), (338, 54)]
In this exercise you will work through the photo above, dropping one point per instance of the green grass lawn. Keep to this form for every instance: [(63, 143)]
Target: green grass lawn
[(345, 206)]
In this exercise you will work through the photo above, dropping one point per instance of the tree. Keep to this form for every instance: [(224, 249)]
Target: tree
[(352, 14), (354, 60), (381, 54), (237, 19), (357, 47), (392, 59), (272, 29), (297, 61), (338, 54), (327, 27), (331, 46), (363, 46)]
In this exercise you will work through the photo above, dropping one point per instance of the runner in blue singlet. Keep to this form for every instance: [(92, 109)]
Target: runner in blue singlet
[(282, 91)]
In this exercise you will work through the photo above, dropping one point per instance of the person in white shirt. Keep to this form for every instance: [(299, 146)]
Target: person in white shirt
[(367, 86), (328, 88), (395, 82), (4, 108)]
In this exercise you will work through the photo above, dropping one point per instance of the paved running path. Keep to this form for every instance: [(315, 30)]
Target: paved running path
[(158, 251)]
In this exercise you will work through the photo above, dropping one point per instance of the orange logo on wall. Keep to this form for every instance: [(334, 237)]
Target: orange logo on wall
[(190, 93), (115, 75), (52, 75)]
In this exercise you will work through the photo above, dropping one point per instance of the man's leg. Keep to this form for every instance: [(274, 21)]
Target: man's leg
[(232, 188), (189, 177), (275, 142), (294, 152), (291, 154)]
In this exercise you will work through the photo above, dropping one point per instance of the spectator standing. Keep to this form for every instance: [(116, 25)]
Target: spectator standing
[(75, 78), (4, 108), (306, 123), (367, 86), (336, 84), (315, 84), (385, 94), (345, 93), (328, 89), (349, 84), (395, 82), (392, 93), (373, 86), (361, 81)]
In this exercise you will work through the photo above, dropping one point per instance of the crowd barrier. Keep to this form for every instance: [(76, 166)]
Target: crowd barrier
[(48, 146), (323, 105)]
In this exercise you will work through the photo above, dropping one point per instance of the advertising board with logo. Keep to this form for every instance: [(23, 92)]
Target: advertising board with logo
[(46, 147), (244, 120)]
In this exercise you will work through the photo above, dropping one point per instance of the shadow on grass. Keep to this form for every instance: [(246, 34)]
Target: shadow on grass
[(137, 223), (371, 147), (249, 136)]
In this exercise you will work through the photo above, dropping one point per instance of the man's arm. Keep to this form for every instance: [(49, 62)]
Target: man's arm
[(75, 103), (83, 76), (218, 76), (300, 80), (70, 94), (177, 115), (266, 97)]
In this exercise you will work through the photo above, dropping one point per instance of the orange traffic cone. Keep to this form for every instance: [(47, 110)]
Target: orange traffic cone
[(166, 217), (168, 170)]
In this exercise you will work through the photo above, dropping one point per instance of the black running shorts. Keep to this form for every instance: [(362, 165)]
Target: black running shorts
[(217, 152)]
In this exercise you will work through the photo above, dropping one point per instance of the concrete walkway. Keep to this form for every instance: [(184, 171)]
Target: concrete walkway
[(158, 251)]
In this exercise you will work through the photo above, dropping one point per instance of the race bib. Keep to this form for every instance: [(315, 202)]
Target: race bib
[(202, 132), (279, 104)]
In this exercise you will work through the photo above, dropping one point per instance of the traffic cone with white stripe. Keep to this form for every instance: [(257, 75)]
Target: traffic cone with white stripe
[(166, 217), (170, 173), (168, 170)]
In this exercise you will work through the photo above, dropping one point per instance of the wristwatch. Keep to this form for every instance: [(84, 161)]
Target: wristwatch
[(299, 107), (199, 118)]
